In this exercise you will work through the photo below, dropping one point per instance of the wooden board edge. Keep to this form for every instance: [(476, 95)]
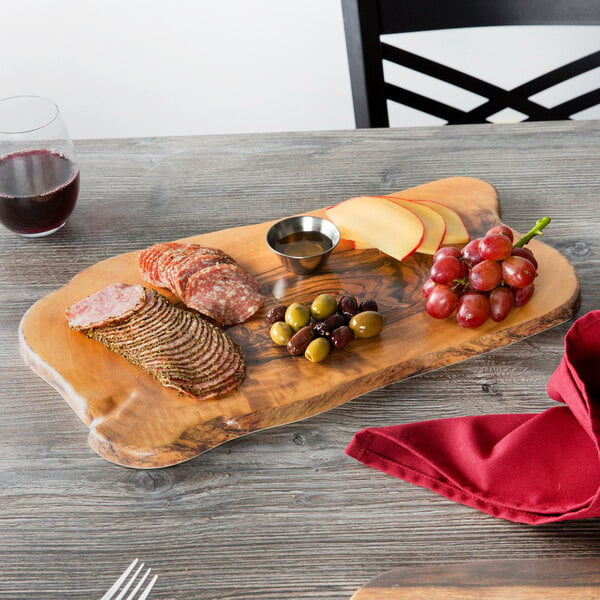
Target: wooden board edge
[(479, 592), (532, 579), (51, 376)]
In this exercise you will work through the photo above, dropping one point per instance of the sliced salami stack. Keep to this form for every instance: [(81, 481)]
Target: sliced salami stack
[(176, 346), (205, 279)]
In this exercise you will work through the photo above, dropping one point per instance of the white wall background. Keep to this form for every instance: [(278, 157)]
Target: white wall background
[(120, 68)]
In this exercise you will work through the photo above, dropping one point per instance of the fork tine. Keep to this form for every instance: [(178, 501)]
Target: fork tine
[(149, 587), (118, 582), (137, 587), (130, 582)]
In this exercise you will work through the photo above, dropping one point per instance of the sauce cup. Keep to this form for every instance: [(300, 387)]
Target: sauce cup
[(303, 243)]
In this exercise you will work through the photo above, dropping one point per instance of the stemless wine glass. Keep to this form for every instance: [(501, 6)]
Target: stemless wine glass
[(39, 178)]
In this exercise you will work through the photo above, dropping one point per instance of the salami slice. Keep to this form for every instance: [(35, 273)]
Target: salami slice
[(206, 279), (108, 306), (148, 262), (176, 346), (224, 292), (181, 271), (172, 254)]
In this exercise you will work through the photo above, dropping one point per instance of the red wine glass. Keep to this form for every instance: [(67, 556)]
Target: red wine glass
[(39, 177)]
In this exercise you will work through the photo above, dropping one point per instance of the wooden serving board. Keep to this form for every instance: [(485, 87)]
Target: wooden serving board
[(135, 421), (539, 579)]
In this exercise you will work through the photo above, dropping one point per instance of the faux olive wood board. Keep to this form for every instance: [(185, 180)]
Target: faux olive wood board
[(135, 421), (539, 579)]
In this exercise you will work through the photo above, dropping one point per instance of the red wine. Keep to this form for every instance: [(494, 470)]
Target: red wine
[(38, 191)]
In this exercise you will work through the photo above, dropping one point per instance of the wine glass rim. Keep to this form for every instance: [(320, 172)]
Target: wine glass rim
[(38, 127)]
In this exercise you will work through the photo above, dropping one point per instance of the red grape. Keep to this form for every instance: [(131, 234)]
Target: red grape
[(501, 303), (522, 295), (470, 253), (525, 253), (446, 251), (473, 310), (428, 286), (485, 276), (502, 230), (495, 246), (446, 269), (517, 271), (441, 302)]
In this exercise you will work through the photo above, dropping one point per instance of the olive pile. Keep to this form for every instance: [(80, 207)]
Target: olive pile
[(313, 330)]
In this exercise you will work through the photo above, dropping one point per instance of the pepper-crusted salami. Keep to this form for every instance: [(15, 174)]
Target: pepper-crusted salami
[(110, 305), (204, 278), (176, 346)]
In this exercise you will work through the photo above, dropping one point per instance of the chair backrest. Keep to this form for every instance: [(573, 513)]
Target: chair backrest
[(366, 20)]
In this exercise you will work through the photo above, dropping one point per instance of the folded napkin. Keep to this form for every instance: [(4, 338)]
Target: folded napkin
[(527, 468)]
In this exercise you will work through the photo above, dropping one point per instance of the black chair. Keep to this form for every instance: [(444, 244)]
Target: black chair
[(366, 20)]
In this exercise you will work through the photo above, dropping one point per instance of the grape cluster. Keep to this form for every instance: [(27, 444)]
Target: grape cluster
[(486, 279)]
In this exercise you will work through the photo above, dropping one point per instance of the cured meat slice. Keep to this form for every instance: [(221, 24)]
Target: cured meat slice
[(224, 292), (182, 270), (176, 346), (110, 305), (146, 327), (206, 279), (172, 254), (155, 263), (148, 262)]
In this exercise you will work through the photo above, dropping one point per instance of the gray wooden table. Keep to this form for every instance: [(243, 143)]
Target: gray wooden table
[(282, 513)]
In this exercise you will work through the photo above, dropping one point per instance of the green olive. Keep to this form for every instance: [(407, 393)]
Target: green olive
[(323, 306), (280, 333), (297, 315), (366, 324), (317, 350)]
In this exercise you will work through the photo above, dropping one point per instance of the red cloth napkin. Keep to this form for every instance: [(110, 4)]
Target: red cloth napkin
[(528, 468)]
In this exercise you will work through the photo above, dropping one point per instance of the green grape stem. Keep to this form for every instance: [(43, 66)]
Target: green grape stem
[(456, 283), (535, 230)]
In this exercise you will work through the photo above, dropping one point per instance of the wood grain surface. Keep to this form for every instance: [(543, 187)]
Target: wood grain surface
[(137, 422), (282, 513), (552, 579)]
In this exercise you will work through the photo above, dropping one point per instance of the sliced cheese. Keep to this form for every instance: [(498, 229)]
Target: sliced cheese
[(361, 245), (382, 224), (434, 222), (456, 232)]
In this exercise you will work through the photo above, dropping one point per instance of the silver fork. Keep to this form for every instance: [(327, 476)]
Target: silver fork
[(117, 584)]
